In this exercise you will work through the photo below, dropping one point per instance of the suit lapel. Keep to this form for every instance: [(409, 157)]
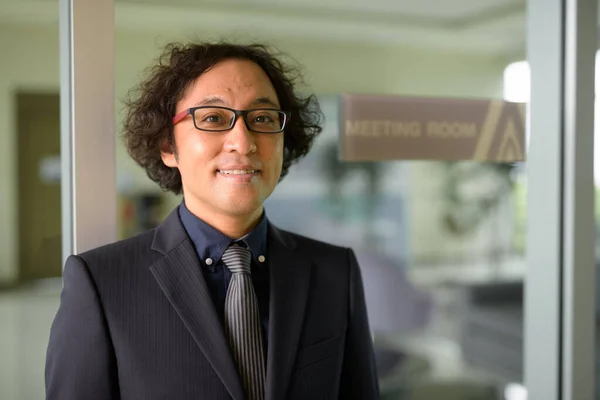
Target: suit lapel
[(290, 278), (179, 276)]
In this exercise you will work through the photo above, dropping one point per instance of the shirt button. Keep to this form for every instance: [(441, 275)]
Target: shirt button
[(261, 259), (209, 261)]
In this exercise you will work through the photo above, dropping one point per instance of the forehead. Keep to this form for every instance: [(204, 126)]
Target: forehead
[(233, 78)]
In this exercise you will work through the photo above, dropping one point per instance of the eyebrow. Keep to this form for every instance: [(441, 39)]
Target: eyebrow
[(209, 101), (216, 100), (265, 101)]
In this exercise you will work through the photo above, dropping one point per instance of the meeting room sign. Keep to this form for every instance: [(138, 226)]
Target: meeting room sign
[(375, 128)]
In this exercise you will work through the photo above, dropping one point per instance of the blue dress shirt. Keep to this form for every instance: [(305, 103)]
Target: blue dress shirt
[(210, 244)]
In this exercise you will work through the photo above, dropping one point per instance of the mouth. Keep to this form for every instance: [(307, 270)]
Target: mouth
[(238, 172), (239, 176)]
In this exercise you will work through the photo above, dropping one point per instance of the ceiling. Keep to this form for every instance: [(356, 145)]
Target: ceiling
[(490, 26)]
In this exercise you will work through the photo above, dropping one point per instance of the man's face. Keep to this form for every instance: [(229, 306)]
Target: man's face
[(207, 160)]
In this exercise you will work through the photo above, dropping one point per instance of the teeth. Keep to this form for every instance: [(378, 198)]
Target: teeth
[(238, 171)]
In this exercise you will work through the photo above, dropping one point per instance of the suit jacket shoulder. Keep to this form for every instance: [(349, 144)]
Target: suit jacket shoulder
[(122, 267), (126, 248)]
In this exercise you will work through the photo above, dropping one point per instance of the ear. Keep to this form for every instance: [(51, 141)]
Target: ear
[(168, 154)]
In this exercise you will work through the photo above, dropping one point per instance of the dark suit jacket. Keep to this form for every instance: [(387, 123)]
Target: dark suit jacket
[(136, 322)]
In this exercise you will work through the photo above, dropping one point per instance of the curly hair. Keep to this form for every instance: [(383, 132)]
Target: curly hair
[(151, 105)]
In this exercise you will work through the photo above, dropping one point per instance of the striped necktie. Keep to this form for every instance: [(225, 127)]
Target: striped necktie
[(242, 322)]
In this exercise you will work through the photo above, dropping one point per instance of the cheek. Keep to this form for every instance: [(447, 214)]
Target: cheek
[(279, 146), (275, 152), (197, 151)]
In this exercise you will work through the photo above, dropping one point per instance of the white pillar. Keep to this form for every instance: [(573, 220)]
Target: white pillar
[(559, 305), (87, 124), (578, 326)]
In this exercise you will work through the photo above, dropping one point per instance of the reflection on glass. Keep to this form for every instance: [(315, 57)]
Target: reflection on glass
[(441, 245), (30, 200)]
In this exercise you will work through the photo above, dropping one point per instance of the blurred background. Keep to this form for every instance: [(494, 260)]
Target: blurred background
[(441, 245)]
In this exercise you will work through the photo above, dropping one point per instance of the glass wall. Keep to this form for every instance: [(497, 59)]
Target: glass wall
[(30, 193), (441, 244)]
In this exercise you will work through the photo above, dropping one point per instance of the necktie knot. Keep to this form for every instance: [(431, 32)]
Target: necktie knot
[(237, 259)]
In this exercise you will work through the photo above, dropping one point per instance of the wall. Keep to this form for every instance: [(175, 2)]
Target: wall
[(30, 61)]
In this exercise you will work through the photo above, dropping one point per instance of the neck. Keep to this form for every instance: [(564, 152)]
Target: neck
[(234, 226)]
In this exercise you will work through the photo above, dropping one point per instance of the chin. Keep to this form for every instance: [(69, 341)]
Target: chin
[(242, 208), (243, 202)]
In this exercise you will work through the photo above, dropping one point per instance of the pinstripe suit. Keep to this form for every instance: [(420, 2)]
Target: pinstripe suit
[(136, 321)]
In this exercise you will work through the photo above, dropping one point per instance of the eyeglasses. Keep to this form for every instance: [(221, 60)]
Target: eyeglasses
[(221, 119)]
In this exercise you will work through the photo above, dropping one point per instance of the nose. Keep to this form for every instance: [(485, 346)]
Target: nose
[(240, 139)]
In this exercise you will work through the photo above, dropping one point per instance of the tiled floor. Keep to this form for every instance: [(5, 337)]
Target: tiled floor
[(25, 319)]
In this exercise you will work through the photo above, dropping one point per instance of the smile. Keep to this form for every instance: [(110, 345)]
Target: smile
[(238, 171)]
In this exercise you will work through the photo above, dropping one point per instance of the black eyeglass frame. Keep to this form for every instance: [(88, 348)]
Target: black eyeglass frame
[(237, 113)]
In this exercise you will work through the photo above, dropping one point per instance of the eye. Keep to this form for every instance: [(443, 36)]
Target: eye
[(264, 119), (213, 119)]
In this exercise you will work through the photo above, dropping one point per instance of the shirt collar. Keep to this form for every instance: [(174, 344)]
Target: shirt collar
[(211, 243)]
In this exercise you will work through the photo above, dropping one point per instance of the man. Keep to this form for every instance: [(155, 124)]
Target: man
[(217, 302)]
